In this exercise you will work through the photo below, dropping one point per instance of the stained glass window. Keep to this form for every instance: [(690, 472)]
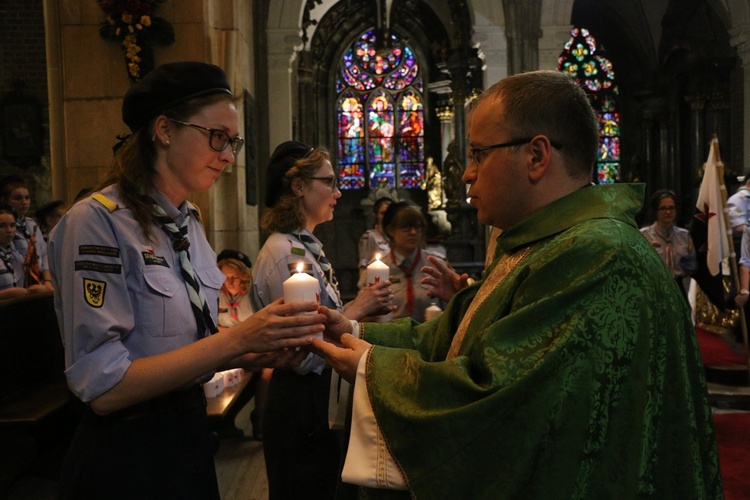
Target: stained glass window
[(380, 116), (583, 60)]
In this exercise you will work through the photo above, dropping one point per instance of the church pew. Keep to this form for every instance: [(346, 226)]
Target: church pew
[(32, 361)]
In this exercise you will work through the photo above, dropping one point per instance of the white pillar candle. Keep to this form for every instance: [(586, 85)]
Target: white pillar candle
[(377, 272), (301, 287), (432, 312)]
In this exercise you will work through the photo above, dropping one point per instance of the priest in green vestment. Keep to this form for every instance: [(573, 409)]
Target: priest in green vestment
[(570, 371)]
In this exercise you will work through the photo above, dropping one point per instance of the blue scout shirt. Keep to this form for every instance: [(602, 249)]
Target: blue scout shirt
[(276, 262), (22, 244), (120, 296), (738, 207), (13, 277)]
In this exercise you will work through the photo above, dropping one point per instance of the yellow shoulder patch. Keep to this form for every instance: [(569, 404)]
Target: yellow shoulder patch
[(93, 292), (196, 212), (107, 202)]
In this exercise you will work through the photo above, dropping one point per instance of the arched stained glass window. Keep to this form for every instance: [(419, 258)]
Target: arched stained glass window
[(380, 116), (583, 60)]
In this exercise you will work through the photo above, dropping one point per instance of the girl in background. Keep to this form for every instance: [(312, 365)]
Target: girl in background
[(29, 240), (11, 261)]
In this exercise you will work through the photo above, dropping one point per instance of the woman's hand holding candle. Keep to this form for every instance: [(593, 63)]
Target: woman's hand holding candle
[(377, 272)]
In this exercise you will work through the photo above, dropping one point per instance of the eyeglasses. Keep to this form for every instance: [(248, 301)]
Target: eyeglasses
[(667, 209), (217, 139), (474, 153), (235, 279), (331, 181), (408, 227)]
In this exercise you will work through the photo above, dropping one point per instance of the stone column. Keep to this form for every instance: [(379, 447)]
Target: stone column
[(698, 141), (523, 30), (282, 44)]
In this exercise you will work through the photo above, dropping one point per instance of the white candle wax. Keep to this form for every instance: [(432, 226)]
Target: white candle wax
[(432, 312), (301, 287), (377, 272)]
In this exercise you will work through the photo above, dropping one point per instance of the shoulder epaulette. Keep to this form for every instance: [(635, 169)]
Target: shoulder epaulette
[(196, 212), (297, 247), (108, 203)]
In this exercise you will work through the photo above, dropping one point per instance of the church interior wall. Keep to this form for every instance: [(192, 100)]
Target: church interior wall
[(659, 124), (23, 62)]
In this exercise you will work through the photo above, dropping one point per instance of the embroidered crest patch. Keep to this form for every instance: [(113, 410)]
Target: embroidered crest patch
[(93, 291)]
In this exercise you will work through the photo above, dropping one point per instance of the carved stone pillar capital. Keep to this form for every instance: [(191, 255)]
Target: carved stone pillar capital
[(740, 38)]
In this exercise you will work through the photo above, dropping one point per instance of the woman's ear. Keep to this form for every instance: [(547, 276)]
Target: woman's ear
[(162, 129), (298, 186)]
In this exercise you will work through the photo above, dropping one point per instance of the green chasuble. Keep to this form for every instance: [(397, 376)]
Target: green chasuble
[(579, 376)]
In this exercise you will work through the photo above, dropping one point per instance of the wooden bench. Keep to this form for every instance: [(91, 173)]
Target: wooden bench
[(223, 409), (32, 361), (34, 390)]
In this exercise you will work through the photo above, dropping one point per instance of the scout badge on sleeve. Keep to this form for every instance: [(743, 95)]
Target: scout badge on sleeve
[(94, 292)]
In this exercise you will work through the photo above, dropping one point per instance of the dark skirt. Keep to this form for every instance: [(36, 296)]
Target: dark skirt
[(302, 454), (161, 449)]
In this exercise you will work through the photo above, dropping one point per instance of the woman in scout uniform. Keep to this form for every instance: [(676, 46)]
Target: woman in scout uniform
[(234, 307), (234, 297), (374, 240), (673, 244), (11, 260), (302, 453), (137, 294), (29, 240), (404, 225)]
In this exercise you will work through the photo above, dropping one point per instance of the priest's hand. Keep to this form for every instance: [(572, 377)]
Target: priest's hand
[(344, 359), (445, 282)]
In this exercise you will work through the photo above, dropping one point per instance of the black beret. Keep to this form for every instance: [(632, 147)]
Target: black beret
[(394, 208), (10, 179), (170, 84), (47, 209), (236, 255), (282, 159)]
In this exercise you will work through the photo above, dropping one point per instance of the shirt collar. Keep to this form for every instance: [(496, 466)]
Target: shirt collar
[(613, 201)]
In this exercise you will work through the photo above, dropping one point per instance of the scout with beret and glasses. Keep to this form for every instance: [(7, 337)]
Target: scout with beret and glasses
[(302, 454), (137, 294)]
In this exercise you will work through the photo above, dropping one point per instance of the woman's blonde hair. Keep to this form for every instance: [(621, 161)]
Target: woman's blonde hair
[(286, 216), (241, 268)]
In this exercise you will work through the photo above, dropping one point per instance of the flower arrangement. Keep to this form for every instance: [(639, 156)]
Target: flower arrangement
[(132, 23)]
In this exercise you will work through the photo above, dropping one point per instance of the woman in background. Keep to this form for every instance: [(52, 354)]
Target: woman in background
[(11, 261), (404, 226), (48, 215), (235, 307), (374, 241), (29, 240), (673, 244), (234, 297)]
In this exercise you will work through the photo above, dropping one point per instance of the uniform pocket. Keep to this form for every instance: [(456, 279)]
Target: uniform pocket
[(165, 310), (211, 279)]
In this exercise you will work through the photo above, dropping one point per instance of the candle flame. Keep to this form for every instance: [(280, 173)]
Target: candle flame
[(377, 256), (300, 267)]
